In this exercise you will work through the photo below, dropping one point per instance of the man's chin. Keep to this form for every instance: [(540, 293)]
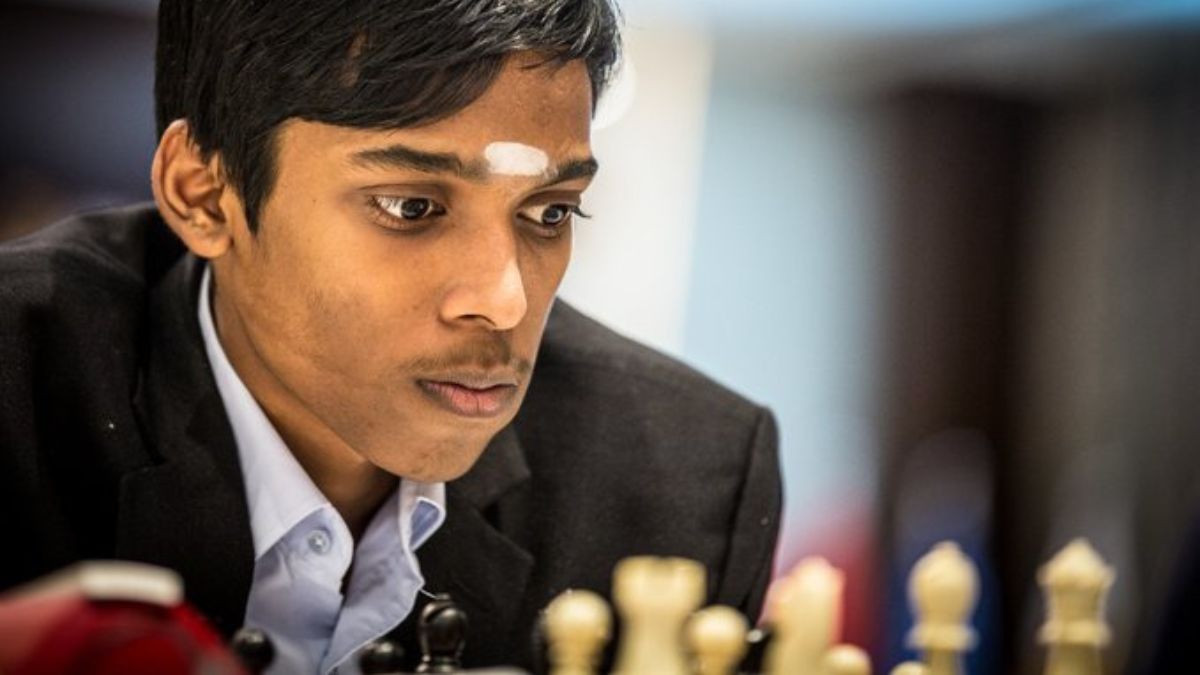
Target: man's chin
[(441, 462), (443, 472)]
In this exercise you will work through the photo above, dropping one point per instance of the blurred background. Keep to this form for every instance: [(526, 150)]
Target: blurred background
[(952, 244)]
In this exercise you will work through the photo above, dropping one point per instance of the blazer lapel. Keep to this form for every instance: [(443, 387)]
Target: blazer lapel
[(482, 568), (188, 510)]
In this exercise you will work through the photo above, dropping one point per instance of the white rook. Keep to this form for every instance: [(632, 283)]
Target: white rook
[(654, 597)]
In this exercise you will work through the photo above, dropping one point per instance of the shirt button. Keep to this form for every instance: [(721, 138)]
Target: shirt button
[(319, 541)]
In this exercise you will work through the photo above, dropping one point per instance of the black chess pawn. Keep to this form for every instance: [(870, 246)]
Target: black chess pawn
[(757, 642), (253, 649), (381, 657), (442, 631)]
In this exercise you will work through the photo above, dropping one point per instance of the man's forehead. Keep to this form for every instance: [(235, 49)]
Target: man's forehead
[(500, 159), (547, 106), (476, 152)]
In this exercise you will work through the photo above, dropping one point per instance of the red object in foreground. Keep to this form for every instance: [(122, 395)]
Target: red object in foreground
[(83, 623)]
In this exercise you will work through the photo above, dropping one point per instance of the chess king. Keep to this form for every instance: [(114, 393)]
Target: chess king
[(324, 375)]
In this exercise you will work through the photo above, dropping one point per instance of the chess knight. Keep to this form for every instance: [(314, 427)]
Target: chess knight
[(324, 376)]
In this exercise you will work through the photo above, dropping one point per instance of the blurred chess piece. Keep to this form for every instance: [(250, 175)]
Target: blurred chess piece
[(943, 589), (845, 660), (108, 618), (910, 668), (716, 638), (805, 613), (576, 626), (442, 632), (254, 649), (654, 597), (381, 657), (1075, 583), (758, 641)]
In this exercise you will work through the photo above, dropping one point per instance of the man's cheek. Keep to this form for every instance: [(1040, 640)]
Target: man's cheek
[(336, 331)]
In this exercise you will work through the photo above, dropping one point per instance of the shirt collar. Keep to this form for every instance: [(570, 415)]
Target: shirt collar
[(279, 493), (426, 502)]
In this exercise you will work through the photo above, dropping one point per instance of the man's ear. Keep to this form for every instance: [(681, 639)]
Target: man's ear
[(188, 191)]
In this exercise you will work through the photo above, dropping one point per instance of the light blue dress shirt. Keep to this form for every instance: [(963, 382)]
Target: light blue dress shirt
[(303, 549)]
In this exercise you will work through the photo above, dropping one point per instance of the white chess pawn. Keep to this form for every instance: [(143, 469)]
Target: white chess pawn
[(805, 615), (577, 626), (716, 637), (1075, 583), (654, 597), (943, 589), (910, 668), (845, 660)]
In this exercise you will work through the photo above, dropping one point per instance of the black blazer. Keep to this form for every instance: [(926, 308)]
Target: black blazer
[(114, 444)]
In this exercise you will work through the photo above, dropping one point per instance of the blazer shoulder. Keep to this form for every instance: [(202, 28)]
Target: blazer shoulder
[(633, 452), (104, 257), (100, 245), (576, 342)]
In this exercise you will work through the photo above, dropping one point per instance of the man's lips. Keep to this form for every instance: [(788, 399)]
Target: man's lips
[(471, 396)]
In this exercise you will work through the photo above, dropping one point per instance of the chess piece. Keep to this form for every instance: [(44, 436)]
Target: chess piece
[(758, 642), (805, 613), (381, 657), (716, 637), (577, 624), (110, 616), (654, 597), (845, 660), (943, 589), (254, 649), (1075, 583), (442, 632), (910, 668)]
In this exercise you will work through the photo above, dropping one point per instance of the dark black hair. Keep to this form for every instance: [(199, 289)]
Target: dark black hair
[(236, 69)]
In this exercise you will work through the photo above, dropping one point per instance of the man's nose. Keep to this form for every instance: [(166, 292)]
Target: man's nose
[(487, 287)]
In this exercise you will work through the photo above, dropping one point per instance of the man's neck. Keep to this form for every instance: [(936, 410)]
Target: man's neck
[(354, 486)]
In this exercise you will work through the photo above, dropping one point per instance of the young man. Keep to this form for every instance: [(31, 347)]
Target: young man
[(325, 400)]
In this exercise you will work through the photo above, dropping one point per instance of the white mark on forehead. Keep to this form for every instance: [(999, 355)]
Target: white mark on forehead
[(516, 159)]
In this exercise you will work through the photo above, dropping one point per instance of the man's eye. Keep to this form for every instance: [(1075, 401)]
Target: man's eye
[(409, 208), (552, 215)]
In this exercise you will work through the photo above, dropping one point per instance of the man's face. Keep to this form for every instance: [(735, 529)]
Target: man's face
[(400, 281)]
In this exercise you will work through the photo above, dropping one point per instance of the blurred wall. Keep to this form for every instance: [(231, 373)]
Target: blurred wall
[(1109, 334), (77, 124), (784, 297), (632, 262)]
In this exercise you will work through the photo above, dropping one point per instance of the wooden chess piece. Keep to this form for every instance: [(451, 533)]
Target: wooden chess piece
[(577, 624), (1075, 583), (654, 597), (381, 657), (716, 638), (845, 660), (254, 649), (943, 589), (758, 642), (910, 668), (804, 611), (442, 632)]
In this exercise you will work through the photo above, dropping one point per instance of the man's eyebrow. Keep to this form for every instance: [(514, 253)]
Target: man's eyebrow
[(572, 169), (404, 157)]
